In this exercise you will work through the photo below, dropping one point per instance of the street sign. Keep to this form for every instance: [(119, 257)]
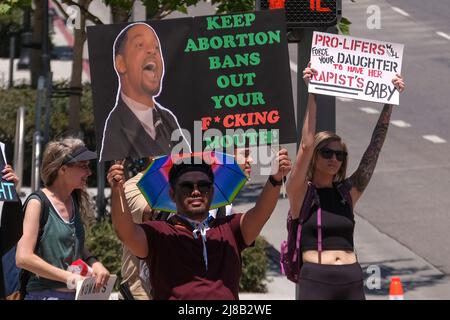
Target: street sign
[(304, 13)]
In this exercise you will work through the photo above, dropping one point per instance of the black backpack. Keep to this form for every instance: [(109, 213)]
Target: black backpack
[(18, 278), (10, 233)]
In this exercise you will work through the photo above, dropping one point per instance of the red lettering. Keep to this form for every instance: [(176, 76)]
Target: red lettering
[(239, 120), (360, 83), (318, 39), (205, 123), (315, 5), (273, 117), (228, 121), (251, 119), (350, 78), (260, 118), (342, 79), (344, 45), (365, 46), (374, 73), (276, 4)]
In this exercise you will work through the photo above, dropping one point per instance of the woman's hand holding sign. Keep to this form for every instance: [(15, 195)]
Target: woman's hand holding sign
[(308, 73), (398, 83)]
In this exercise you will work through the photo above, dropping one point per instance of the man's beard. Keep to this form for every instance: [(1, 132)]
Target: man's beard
[(197, 213)]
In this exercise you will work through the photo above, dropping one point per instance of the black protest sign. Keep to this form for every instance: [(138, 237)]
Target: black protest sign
[(7, 189), (219, 77)]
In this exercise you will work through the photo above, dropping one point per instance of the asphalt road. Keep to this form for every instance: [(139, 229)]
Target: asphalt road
[(408, 198)]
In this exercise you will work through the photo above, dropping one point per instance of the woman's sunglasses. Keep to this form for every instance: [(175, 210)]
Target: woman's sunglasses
[(204, 187), (327, 153)]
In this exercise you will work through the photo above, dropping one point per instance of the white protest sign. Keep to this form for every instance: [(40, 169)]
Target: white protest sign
[(355, 68), (2, 147), (86, 289)]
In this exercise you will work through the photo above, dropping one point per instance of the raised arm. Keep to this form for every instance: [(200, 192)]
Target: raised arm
[(297, 184), (131, 234), (254, 220), (361, 177)]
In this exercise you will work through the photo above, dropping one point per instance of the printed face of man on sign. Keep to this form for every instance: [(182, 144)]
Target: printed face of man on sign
[(139, 63), (138, 126)]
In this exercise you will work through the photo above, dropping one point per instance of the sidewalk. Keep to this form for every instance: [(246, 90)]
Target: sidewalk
[(376, 251)]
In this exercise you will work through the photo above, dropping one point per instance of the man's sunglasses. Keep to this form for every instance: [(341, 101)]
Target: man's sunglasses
[(327, 153), (204, 187)]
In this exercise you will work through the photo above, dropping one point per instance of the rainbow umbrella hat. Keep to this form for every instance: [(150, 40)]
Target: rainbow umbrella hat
[(228, 179)]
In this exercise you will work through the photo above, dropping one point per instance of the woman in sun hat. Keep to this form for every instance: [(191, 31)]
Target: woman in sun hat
[(53, 228)]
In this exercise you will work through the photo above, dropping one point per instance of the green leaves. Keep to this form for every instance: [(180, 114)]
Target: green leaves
[(226, 6), (124, 4), (254, 267), (157, 9), (4, 8), (7, 5), (102, 241), (344, 26)]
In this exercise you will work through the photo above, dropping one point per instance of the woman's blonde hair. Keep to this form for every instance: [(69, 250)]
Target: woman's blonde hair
[(53, 158), (321, 139)]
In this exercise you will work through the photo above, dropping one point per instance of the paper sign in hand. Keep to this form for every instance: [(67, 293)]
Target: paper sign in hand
[(86, 289), (7, 188), (355, 68)]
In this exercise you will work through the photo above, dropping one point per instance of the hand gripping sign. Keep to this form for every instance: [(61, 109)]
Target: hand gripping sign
[(7, 188)]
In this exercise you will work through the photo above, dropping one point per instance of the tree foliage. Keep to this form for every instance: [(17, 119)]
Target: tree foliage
[(12, 99), (102, 241), (7, 5)]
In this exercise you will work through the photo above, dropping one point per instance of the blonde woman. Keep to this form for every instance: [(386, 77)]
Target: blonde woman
[(65, 170), (323, 198)]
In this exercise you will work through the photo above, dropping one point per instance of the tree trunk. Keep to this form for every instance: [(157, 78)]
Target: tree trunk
[(77, 72), (36, 64)]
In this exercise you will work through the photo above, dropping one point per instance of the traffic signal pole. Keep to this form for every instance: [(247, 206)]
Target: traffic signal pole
[(326, 110), (303, 17)]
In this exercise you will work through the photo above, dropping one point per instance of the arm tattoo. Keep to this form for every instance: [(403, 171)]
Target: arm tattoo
[(360, 179)]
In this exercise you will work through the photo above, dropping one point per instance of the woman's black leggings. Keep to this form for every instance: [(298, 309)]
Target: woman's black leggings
[(331, 282)]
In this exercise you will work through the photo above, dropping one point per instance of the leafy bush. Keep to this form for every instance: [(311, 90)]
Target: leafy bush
[(254, 266), (102, 241)]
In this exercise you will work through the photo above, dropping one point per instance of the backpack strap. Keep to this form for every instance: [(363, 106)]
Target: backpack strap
[(45, 206), (316, 200), (311, 198)]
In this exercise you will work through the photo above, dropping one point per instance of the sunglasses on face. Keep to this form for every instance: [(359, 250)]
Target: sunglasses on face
[(327, 153), (204, 187)]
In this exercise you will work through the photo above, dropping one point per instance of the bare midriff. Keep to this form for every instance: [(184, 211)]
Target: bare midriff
[(335, 257)]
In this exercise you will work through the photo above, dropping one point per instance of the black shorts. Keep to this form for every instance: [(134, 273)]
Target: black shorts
[(331, 282)]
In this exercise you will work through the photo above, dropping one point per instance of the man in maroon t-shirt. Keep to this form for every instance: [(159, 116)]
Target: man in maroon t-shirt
[(192, 256)]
